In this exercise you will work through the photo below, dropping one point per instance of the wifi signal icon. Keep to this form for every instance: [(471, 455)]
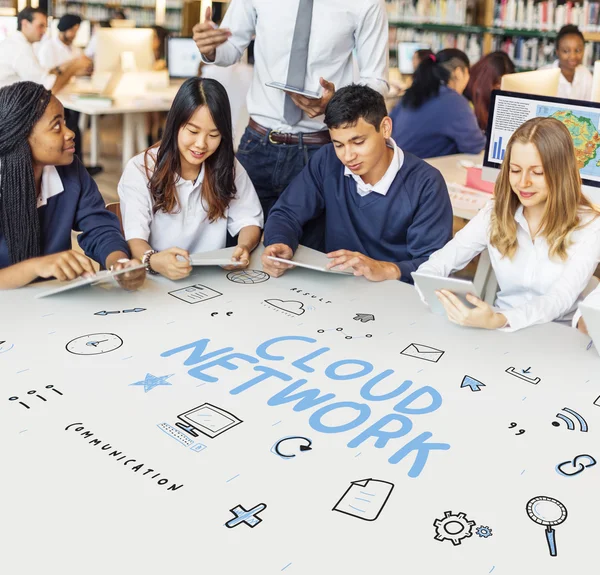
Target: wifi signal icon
[(570, 420)]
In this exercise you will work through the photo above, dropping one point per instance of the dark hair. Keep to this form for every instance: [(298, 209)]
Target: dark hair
[(162, 34), (28, 14), (423, 53), (431, 73), (218, 188), (568, 30), (21, 106), (118, 15), (485, 77), (353, 102), (68, 21)]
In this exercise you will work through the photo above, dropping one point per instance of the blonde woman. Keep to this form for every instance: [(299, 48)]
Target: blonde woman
[(542, 234)]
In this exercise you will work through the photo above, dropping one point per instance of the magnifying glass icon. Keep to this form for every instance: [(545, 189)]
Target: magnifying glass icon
[(549, 512)]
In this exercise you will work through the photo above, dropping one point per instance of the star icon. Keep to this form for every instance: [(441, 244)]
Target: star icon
[(152, 381)]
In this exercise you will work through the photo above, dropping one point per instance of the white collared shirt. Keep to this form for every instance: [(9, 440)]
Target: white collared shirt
[(53, 52), (383, 185), (18, 63), (338, 28), (51, 185), (579, 89), (534, 289), (188, 228)]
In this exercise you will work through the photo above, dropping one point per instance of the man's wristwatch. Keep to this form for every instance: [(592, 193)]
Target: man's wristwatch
[(146, 261)]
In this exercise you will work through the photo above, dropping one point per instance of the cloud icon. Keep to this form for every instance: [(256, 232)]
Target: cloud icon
[(289, 306)]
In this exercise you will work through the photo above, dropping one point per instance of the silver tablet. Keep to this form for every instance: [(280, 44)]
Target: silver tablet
[(427, 285)]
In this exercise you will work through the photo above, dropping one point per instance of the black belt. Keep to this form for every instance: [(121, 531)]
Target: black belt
[(275, 137)]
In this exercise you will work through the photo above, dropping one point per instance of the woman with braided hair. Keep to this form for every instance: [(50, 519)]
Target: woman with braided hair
[(44, 194)]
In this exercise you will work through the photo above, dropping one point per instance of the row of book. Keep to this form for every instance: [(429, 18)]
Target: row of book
[(547, 15), (470, 44), (456, 12)]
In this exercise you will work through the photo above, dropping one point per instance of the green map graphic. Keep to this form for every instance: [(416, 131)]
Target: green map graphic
[(583, 127)]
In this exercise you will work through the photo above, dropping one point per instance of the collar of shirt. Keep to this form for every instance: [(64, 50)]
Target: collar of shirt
[(51, 185), (577, 77), (191, 185), (383, 185)]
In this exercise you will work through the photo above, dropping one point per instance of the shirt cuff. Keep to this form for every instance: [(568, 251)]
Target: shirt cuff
[(514, 320), (282, 240), (114, 246), (205, 60), (136, 234)]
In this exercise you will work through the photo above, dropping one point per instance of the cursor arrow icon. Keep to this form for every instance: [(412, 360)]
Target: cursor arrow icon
[(471, 382), (364, 317)]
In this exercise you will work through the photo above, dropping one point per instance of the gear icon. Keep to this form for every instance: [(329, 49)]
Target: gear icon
[(454, 527), (484, 532)]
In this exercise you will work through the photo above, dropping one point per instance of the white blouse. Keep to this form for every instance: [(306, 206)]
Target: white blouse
[(188, 228), (534, 289)]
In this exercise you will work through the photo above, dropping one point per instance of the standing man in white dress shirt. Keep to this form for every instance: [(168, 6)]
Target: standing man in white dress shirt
[(308, 44), (19, 63)]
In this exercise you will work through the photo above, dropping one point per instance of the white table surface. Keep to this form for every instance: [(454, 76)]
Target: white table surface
[(72, 506)]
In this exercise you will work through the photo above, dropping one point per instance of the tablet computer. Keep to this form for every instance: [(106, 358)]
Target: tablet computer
[(306, 93), (220, 257), (427, 285), (591, 316)]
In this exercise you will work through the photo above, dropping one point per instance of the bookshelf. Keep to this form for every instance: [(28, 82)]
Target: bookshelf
[(525, 29)]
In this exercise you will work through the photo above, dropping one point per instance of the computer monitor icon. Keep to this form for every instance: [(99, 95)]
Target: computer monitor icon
[(207, 419)]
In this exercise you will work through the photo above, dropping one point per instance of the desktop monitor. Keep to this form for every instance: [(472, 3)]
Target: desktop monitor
[(119, 23), (183, 57), (8, 25), (112, 44), (540, 82), (596, 82), (406, 51), (508, 110)]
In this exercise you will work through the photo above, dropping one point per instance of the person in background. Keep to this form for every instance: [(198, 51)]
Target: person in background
[(155, 120), (541, 232), (433, 118), (184, 195), (385, 210), (575, 79), (45, 193), (18, 61), (486, 75), (420, 55), (308, 44)]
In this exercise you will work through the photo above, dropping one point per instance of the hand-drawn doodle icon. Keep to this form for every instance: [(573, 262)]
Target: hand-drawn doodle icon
[(94, 344), (523, 374), (583, 426), (596, 401), (365, 498), (471, 382), (549, 512), (453, 527), (4, 347), (284, 455), (364, 317), (571, 468), (513, 425), (34, 392), (287, 306), (182, 438), (214, 313), (208, 420), (420, 351), (152, 381), (248, 277), (250, 517), (484, 532), (133, 310), (346, 336), (195, 294)]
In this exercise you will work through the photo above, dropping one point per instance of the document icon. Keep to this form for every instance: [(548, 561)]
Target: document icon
[(195, 294), (365, 498), (420, 351)]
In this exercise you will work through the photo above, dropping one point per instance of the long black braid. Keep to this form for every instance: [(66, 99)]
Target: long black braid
[(21, 106)]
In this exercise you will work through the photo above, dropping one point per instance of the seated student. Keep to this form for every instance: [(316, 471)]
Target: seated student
[(542, 234), (385, 211), (433, 118), (486, 75), (420, 55), (183, 195), (44, 195), (575, 79)]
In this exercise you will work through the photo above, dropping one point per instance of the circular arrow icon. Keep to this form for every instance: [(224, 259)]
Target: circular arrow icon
[(303, 446)]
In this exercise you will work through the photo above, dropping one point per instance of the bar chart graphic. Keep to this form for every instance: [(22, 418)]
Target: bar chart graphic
[(498, 149)]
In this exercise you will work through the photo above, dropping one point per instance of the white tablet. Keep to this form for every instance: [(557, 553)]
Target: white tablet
[(215, 258), (311, 266), (103, 276), (306, 93), (428, 284), (591, 316)]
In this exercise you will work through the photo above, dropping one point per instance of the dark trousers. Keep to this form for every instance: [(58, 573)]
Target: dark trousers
[(271, 168), (72, 122)]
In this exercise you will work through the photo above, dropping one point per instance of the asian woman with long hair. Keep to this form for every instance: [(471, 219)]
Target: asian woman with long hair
[(542, 235), (185, 194)]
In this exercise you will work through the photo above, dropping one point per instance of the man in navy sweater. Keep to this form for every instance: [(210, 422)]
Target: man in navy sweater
[(385, 211)]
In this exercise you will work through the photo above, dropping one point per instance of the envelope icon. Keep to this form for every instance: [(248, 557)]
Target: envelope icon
[(420, 351)]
